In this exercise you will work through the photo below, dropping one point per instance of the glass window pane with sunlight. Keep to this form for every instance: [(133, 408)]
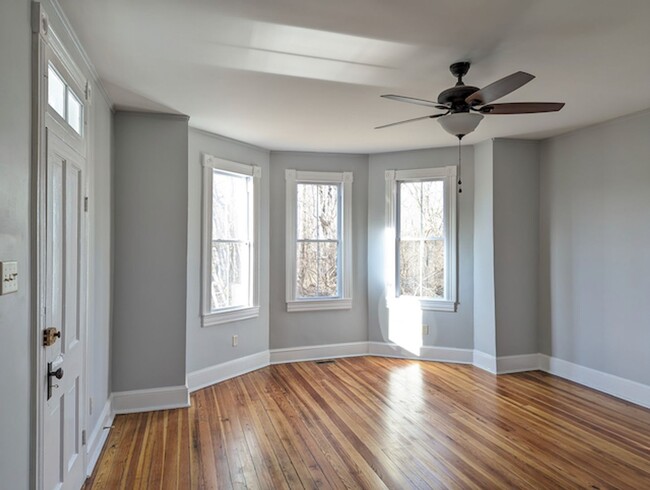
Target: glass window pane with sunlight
[(421, 237), (56, 91), (318, 241), (231, 256), (74, 116)]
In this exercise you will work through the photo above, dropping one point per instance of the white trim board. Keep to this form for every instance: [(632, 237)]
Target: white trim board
[(623, 388), (98, 437), (316, 352), (226, 370), (165, 398), (427, 353)]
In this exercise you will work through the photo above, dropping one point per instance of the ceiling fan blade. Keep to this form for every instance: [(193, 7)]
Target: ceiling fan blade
[(521, 108), (433, 116), (413, 100), (499, 88)]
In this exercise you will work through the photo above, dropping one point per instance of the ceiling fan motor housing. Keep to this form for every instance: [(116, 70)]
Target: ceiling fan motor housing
[(455, 97)]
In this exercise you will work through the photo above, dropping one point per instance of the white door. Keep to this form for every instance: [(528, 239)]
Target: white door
[(63, 460)]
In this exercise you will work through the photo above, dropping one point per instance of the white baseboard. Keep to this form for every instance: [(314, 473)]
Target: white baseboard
[(165, 398), (316, 352), (518, 364), (427, 353), (226, 370), (484, 361), (626, 389), (98, 437)]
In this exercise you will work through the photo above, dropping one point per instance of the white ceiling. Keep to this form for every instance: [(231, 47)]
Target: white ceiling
[(307, 74)]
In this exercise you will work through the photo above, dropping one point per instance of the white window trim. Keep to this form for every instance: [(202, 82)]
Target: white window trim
[(448, 176), (344, 301), (226, 315)]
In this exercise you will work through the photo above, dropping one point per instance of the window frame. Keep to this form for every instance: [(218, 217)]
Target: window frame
[(344, 181), (393, 178), (211, 317)]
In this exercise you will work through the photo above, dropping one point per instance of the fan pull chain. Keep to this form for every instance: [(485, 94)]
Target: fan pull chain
[(459, 181)]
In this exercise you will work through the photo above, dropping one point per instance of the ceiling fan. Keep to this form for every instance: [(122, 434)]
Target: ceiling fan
[(465, 105)]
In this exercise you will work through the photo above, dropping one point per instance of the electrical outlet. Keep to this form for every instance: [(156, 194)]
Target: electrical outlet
[(8, 277), (235, 340), (425, 329)]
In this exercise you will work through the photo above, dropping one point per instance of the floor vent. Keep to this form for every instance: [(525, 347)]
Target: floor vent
[(325, 361)]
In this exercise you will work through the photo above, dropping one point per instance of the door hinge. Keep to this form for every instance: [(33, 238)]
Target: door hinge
[(83, 437), (88, 90), (86, 204)]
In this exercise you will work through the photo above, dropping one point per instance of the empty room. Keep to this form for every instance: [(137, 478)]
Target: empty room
[(335, 244)]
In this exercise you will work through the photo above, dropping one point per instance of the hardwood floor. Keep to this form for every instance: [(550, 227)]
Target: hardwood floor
[(374, 423)]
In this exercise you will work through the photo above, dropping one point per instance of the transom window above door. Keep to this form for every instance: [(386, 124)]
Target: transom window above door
[(62, 99)]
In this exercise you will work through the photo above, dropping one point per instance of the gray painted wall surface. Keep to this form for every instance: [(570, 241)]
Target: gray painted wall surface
[(483, 283), (595, 258), (150, 270), (213, 345), (297, 329), (516, 245), (445, 329), (15, 325)]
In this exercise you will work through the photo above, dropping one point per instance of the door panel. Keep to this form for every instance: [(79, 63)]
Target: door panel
[(63, 423)]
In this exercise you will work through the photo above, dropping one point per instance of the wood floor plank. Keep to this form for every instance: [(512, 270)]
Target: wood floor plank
[(371, 422)]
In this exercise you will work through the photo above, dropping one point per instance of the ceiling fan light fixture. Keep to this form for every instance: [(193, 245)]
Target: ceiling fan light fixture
[(460, 124)]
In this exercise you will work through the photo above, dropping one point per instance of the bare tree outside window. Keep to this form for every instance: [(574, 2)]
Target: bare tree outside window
[(231, 240), (317, 250), (421, 239)]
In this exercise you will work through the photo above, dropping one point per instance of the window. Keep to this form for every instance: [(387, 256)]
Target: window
[(421, 242), (230, 248), (63, 100), (319, 245)]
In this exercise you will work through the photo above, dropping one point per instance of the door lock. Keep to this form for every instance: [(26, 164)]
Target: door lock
[(58, 374), (50, 335)]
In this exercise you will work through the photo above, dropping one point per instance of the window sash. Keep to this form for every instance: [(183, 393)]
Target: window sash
[(246, 238), (421, 238), (341, 243), (394, 239)]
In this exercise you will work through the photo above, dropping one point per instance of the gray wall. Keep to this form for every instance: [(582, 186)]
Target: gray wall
[(516, 245), (213, 345), (15, 325), (446, 329), (150, 269), (483, 280), (297, 329), (595, 258)]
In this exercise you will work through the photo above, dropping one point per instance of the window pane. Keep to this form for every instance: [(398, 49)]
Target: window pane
[(74, 112), (55, 91), (230, 207), (410, 212), (307, 212), (328, 202), (317, 269), (327, 269), (409, 268), (317, 211), (230, 274), (433, 209), (433, 269)]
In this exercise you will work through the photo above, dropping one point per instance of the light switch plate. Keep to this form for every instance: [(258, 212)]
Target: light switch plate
[(8, 277)]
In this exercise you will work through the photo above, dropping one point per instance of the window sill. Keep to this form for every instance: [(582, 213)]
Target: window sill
[(232, 315), (424, 304), (319, 304)]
